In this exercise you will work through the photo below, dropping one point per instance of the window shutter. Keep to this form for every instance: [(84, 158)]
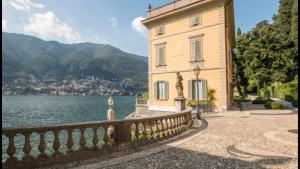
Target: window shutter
[(197, 49), (201, 48), (192, 50), (157, 31), (204, 89), (157, 55), (166, 90), (196, 20), (163, 55), (155, 90), (190, 88)]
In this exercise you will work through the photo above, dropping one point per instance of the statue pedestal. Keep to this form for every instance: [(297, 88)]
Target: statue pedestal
[(180, 104)]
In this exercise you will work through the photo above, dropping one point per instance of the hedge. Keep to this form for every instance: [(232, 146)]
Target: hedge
[(287, 91), (261, 100), (274, 105)]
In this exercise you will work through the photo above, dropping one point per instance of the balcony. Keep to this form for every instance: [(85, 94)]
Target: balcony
[(177, 4)]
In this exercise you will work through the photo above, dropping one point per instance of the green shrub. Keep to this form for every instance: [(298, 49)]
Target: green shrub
[(268, 105), (261, 100), (288, 98), (287, 91), (241, 99), (274, 105), (295, 103), (146, 95)]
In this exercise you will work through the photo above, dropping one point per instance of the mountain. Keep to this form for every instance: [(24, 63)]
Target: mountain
[(54, 60)]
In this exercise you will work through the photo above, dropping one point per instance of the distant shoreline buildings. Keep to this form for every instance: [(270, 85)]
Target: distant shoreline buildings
[(29, 85)]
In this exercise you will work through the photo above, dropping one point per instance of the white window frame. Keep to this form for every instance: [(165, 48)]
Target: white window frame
[(194, 89), (160, 30), (195, 20), (193, 56), (161, 90), (160, 57)]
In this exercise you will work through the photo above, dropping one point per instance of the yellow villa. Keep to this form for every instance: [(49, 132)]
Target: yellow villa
[(184, 34)]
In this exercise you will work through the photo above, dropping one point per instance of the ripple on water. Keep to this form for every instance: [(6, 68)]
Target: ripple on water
[(25, 111)]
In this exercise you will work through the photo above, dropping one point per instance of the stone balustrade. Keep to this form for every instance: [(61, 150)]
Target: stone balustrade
[(141, 101), (117, 135)]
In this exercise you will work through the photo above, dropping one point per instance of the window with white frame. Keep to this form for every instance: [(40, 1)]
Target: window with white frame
[(160, 55), (161, 90), (198, 87), (196, 49), (195, 20), (160, 30)]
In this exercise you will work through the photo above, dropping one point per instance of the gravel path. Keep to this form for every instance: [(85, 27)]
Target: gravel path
[(250, 139)]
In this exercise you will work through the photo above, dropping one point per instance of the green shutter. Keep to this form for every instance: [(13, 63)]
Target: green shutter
[(192, 50), (204, 89), (166, 90), (155, 90), (157, 55), (190, 88), (201, 48), (163, 55), (197, 49)]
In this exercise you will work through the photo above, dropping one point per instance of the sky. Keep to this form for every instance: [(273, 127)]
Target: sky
[(114, 22)]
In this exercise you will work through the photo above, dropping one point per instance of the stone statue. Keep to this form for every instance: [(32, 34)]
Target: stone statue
[(179, 86)]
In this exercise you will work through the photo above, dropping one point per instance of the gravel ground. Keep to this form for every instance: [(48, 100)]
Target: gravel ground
[(249, 139)]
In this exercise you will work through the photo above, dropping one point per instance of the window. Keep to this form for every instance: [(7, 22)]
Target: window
[(195, 20), (161, 90), (202, 88), (196, 49), (160, 30), (161, 55)]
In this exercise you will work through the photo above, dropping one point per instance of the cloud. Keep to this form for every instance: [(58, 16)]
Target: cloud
[(113, 21), (138, 26), (24, 5), (48, 26), (4, 23)]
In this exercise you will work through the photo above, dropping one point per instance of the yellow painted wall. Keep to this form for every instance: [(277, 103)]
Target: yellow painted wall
[(176, 37)]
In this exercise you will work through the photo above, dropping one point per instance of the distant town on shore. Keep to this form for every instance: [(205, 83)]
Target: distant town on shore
[(29, 85)]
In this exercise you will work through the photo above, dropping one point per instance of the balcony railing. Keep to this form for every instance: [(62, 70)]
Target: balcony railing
[(140, 101), (115, 136), (170, 7)]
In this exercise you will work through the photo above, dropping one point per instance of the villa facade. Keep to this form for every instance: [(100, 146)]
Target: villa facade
[(184, 34)]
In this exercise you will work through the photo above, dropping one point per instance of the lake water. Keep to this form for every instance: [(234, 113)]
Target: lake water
[(25, 111)]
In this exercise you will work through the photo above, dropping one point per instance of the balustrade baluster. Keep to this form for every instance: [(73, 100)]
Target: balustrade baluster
[(27, 148), (11, 149), (105, 137), (181, 123), (173, 125), (150, 131), (161, 129), (42, 146), (70, 141), (82, 141), (137, 132), (176, 124), (56, 143), (156, 130), (144, 131), (95, 138)]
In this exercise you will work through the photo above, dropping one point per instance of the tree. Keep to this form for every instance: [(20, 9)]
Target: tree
[(239, 64)]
